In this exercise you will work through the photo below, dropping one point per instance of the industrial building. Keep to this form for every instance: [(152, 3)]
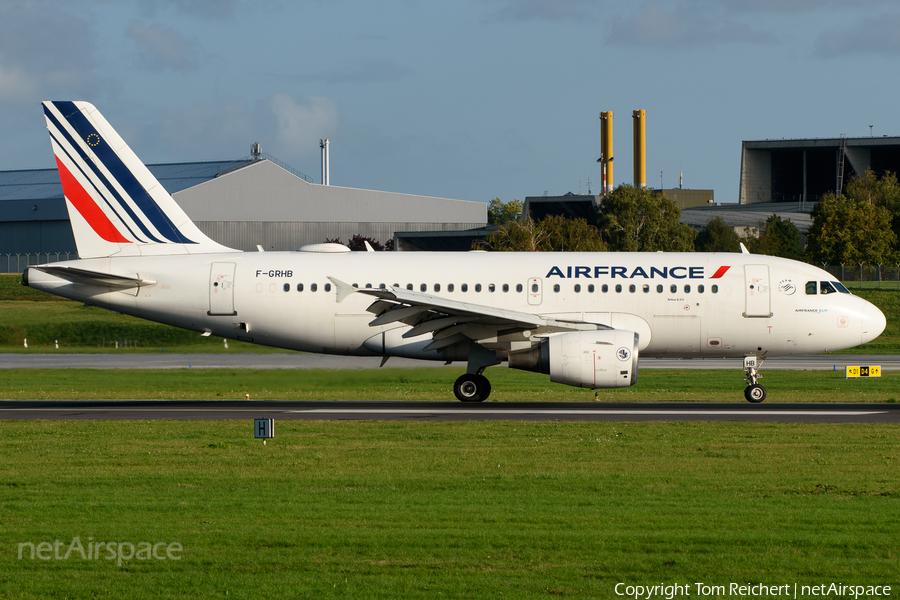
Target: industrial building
[(254, 201), (802, 171)]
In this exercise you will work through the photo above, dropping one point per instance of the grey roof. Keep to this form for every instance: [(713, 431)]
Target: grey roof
[(37, 184), (749, 215), (36, 194)]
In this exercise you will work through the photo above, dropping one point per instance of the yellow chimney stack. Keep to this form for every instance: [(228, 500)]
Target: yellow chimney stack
[(640, 148), (606, 150)]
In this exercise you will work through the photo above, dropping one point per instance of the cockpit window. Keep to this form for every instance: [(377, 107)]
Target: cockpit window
[(811, 287), (826, 288), (840, 287)]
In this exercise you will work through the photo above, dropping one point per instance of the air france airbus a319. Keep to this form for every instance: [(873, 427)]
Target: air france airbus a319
[(582, 318)]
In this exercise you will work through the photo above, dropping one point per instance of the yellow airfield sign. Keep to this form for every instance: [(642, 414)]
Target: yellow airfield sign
[(870, 371)]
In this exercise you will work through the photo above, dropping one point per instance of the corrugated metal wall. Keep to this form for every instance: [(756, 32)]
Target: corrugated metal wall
[(36, 236), (26, 243)]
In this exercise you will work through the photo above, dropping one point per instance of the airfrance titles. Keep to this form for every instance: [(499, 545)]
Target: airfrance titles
[(613, 272)]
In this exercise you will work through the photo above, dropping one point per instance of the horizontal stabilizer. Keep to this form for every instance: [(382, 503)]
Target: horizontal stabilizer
[(85, 277)]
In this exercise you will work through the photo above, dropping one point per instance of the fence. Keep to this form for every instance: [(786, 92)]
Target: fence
[(16, 263), (882, 277)]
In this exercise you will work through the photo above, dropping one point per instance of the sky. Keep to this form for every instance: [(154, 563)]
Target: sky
[(470, 99)]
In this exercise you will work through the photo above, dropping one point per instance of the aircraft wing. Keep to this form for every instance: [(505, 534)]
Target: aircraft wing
[(450, 321), (96, 278)]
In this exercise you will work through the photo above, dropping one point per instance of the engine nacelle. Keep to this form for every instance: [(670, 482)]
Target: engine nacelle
[(592, 359)]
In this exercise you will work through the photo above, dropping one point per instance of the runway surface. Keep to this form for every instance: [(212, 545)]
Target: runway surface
[(321, 361), (447, 411)]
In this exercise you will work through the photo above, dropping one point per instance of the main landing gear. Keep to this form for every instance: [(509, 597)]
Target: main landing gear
[(473, 386), (754, 393)]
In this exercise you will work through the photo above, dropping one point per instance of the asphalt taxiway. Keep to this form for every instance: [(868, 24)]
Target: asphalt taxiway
[(446, 411), (829, 362)]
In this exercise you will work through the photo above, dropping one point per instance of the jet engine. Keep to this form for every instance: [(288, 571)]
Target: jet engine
[(592, 359)]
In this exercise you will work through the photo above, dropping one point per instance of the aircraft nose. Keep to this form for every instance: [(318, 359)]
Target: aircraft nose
[(873, 322)]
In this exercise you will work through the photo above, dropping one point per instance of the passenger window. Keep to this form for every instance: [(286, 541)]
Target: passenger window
[(300, 287), (287, 287), (368, 286), (826, 288), (519, 287), (409, 286), (424, 287), (477, 287), (556, 287), (577, 287), (437, 287), (604, 288), (591, 288), (659, 288), (646, 289), (700, 288), (618, 288), (714, 289), (313, 287), (687, 289), (464, 287), (492, 288), (534, 287), (673, 288), (450, 287), (632, 288), (505, 287), (811, 287), (327, 287)]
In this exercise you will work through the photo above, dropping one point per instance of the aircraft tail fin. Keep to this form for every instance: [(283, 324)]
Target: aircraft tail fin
[(116, 206)]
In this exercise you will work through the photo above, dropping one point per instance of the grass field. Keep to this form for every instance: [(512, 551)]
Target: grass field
[(431, 384), (455, 510), (43, 319)]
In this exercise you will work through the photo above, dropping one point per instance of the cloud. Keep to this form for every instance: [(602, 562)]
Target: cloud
[(779, 7), (161, 48), (43, 53), (368, 71), (300, 125), (207, 9), (545, 10), (656, 25), (873, 35)]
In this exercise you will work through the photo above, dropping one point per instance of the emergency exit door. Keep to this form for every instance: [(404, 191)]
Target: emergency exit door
[(534, 289)]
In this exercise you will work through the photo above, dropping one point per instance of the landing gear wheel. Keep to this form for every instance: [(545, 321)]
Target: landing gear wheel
[(755, 393), (472, 388), (487, 386)]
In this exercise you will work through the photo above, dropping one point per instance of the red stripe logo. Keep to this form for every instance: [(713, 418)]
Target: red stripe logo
[(721, 271), (87, 208)]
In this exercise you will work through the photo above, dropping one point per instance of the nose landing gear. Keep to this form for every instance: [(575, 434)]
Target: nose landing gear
[(754, 392)]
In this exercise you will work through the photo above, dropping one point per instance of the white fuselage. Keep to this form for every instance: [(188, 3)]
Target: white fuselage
[(680, 304)]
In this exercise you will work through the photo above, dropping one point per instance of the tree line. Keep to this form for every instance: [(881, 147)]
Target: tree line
[(861, 225)]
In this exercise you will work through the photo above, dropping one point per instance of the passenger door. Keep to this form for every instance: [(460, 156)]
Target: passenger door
[(757, 291), (221, 290)]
